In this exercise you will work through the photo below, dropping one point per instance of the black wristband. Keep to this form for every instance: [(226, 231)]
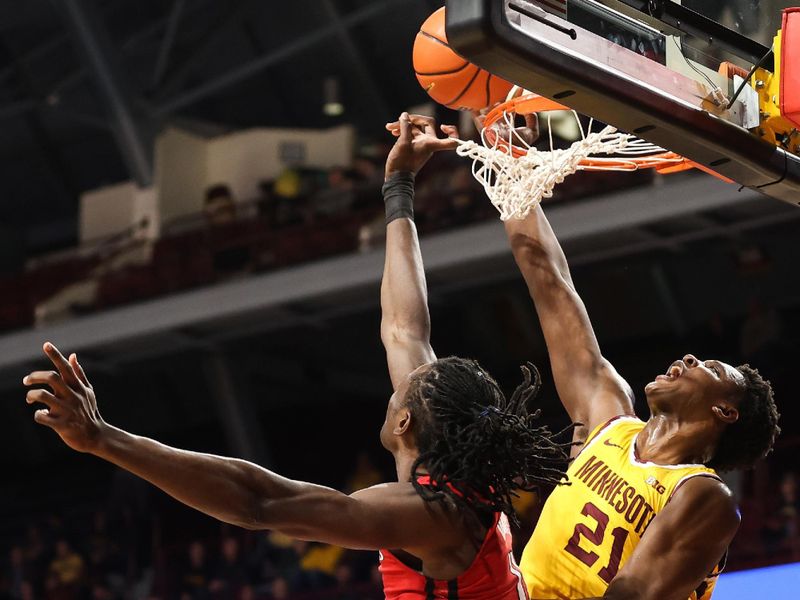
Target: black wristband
[(398, 196)]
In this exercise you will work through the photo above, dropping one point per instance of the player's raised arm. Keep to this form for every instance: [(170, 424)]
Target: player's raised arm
[(405, 322), (231, 490), (588, 385)]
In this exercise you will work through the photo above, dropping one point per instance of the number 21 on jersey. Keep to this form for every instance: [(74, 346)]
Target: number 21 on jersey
[(584, 551)]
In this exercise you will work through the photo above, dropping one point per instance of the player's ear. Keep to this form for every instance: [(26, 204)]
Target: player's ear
[(403, 423), (725, 412)]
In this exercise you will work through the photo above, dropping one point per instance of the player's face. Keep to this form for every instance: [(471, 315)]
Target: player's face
[(692, 382)]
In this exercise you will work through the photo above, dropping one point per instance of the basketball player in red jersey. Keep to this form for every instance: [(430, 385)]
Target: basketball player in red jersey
[(645, 516), (460, 447)]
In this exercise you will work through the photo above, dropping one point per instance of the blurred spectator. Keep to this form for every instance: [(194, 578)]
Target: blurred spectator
[(321, 558), (761, 331), (27, 591), (35, 553), (279, 589), (247, 593), (780, 530), (365, 474), (106, 565), (195, 575), (790, 503), (345, 583), (288, 185), (231, 254), (230, 574), (316, 564), (65, 573), (464, 198), (17, 576), (281, 556), (101, 592), (719, 338), (219, 206), (368, 171), (286, 203), (338, 196), (372, 234)]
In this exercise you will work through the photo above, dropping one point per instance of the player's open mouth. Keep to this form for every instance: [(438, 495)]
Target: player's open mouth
[(674, 372)]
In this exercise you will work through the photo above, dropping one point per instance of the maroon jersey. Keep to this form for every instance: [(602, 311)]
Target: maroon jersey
[(493, 575)]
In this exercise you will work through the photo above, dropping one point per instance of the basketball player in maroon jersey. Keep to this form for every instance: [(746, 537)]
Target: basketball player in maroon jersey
[(460, 447)]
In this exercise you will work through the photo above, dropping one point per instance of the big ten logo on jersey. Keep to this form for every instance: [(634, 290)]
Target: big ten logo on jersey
[(655, 484)]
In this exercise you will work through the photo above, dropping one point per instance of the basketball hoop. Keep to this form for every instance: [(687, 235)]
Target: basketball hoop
[(516, 175)]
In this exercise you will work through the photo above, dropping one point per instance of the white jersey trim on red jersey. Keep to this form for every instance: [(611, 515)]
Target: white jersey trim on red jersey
[(522, 589)]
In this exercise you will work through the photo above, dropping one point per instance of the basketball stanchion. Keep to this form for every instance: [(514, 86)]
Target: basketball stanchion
[(516, 175)]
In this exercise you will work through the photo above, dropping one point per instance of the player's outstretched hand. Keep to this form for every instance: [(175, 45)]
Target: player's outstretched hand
[(71, 407), (417, 140)]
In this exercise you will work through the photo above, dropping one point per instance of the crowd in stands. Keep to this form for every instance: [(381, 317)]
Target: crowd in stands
[(101, 560), (133, 549), (124, 553), (302, 215)]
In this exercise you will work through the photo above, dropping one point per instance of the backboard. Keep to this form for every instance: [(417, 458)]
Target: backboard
[(648, 67)]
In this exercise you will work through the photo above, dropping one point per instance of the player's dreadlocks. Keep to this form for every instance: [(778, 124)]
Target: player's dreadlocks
[(477, 446), (752, 435)]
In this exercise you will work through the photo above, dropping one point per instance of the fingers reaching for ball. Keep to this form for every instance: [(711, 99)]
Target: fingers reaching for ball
[(417, 139), (421, 124)]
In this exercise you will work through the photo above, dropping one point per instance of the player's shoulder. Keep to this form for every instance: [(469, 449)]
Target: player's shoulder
[(708, 495), (403, 497), (401, 502)]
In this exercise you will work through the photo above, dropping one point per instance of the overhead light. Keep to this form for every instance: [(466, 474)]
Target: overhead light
[(333, 109), (332, 105)]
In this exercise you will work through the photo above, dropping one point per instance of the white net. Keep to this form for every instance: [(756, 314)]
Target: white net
[(516, 184)]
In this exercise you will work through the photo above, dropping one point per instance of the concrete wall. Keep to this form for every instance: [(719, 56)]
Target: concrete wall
[(244, 159), (113, 209), (187, 164), (181, 167)]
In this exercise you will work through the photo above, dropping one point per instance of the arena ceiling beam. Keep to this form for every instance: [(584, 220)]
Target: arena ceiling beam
[(219, 33), (133, 135), (44, 144), (167, 42), (274, 56), (37, 52), (17, 109), (129, 46), (358, 63)]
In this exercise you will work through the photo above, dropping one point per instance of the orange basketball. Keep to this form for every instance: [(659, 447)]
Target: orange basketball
[(447, 77)]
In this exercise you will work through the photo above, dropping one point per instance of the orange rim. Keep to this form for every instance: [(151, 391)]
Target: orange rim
[(526, 104)]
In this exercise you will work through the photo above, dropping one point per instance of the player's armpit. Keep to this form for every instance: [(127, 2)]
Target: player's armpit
[(686, 541), (390, 515)]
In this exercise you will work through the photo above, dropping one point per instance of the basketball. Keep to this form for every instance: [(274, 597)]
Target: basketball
[(447, 77)]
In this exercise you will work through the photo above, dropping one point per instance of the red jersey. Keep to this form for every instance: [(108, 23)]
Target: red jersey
[(493, 575)]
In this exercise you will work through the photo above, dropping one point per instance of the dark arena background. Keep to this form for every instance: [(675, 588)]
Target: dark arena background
[(191, 202)]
